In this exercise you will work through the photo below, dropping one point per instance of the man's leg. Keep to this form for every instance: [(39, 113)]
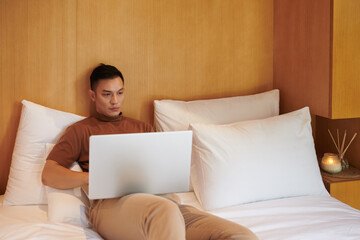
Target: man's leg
[(137, 217), (204, 226)]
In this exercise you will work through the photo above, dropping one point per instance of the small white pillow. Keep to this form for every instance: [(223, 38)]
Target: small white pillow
[(38, 125), (67, 206), (255, 160), (171, 115)]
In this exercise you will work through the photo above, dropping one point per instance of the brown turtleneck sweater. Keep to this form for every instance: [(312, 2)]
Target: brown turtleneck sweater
[(74, 144)]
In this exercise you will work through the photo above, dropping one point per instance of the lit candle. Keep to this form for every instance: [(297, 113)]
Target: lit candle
[(331, 163)]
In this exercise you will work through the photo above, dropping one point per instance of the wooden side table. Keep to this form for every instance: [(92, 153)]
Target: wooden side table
[(344, 186)]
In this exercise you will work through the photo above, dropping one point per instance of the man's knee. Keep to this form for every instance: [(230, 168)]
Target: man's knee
[(164, 208), (243, 234), (151, 207)]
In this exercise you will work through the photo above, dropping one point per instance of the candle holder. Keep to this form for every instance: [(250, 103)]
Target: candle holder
[(331, 163), (342, 149)]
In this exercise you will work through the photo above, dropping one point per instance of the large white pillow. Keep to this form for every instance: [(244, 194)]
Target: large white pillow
[(171, 115), (38, 125), (255, 160)]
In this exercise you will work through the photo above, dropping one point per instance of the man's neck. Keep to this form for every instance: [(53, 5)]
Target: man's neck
[(105, 118)]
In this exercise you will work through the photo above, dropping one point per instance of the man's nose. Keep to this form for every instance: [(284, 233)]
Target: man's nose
[(113, 99)]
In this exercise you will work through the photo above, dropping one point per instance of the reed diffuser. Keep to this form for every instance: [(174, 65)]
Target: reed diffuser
[(341, 148)]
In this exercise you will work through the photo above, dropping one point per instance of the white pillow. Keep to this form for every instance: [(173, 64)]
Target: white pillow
[(38, 125), (255, 160), (67, 206), (173, 115)]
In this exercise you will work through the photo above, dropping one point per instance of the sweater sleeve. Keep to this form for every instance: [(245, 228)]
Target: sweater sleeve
[(149, 128), (68, 149)]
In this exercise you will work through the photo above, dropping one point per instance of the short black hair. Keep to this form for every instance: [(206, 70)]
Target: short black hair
[(104, 71)]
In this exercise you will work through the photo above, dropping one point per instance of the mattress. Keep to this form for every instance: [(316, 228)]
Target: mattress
[(307, 217)]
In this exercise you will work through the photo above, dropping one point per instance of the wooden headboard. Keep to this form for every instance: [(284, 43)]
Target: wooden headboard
[(174, 49)]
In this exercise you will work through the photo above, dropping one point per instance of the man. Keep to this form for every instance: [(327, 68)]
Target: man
[(135, 216)]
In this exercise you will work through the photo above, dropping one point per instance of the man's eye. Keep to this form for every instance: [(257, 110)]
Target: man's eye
[(106, 94), (119, 93)]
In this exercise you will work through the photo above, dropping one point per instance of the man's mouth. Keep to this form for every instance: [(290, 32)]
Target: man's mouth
[(114, 109)]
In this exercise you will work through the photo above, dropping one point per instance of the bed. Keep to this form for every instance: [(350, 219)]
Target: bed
[(276, 192), (289, 218)]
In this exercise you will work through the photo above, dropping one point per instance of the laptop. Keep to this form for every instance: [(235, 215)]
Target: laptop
[(156, 163)]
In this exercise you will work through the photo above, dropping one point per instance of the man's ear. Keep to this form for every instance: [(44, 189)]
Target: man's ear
[(92, 95)]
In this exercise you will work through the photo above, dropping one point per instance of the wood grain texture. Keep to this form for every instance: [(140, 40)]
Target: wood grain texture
[(302, 54), (345, 82), (38, 63), (346, 59), (178, 49), (347, 191), (316, 56)]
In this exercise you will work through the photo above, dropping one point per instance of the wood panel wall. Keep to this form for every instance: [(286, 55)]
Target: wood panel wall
[(177, 49), (346, 60), (316, 56), (302, 54), (346, 81)]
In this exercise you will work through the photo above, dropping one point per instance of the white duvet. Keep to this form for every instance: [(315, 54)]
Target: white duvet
[(46, 231), (297, 218), (308, 218), (30, 222), (305, 218)]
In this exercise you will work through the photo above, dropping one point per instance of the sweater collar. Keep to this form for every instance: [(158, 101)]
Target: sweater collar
[(104, 118)]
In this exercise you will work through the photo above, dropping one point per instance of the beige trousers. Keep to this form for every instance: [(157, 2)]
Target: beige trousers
[(145, 216)]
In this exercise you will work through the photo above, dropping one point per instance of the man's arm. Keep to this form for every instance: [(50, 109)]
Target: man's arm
[(56, 176)]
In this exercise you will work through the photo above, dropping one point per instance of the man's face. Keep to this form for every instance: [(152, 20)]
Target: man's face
[(108, 96)]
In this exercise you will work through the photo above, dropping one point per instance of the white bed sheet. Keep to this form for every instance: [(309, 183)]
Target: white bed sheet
[(30, 222), (307, 217)]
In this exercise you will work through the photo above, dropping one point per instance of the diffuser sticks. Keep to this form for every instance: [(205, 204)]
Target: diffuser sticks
[(342, 149)]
